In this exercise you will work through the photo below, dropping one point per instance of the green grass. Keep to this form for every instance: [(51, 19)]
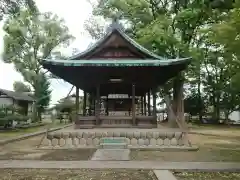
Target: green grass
[(18, 132)]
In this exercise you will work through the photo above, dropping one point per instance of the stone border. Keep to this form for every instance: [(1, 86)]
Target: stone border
[(166, 148), (164, 175), (138, 148), (25, 136), (148, 165)]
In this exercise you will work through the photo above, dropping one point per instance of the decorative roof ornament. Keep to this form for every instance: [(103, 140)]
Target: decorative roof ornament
[(115, 24)]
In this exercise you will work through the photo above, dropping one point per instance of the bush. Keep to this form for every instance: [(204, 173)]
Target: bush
[(14, 117)]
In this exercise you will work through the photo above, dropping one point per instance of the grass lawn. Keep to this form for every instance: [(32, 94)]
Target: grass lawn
[(207, 176), (79, 174), (11, 134), (223, 145)]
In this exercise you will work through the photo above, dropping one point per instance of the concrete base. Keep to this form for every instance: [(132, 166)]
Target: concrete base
[(113, 146), (155, 139), (164, 175), (111, 155)]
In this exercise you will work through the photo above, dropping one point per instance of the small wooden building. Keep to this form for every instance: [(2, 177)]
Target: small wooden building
[(23, 101), (116, 64)]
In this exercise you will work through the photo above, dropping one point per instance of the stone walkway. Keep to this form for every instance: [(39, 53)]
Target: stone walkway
[(111, 155), (176, 166), (164, 175)]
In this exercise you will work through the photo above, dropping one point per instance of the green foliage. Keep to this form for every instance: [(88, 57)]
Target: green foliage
[(192, 104), (29, 39), (13, 7), (208, 32), (8, 114), (19, 86), (42, 94)]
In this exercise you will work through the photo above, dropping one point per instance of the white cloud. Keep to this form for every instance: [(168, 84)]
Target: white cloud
[(74, 12)]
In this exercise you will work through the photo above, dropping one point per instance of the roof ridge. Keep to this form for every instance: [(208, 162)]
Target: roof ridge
[(115, 26)]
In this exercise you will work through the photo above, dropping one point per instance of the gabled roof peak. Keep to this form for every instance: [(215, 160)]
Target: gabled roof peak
[(115, 25)]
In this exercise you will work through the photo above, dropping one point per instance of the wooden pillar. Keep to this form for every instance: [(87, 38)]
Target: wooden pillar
[(145, 104), (107, 106), (97, 110), (90, 99), (154, 104), (142, 105), (84, 102), (77, 101), (133, 105), (149, 104), (94, 105)]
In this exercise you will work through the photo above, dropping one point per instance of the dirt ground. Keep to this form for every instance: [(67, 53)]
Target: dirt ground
[(11, 134), (81, 174), (211, 148), (207, 176), (26, 149)]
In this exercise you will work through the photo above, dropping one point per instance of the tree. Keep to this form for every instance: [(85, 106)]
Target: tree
[(168, 28), (42, 94), (192, 105), (12, 7), (225, 36), (208, 32), (29, 39), (19, 86)]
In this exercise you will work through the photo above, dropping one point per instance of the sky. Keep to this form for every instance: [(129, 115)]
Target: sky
[(75, 13)]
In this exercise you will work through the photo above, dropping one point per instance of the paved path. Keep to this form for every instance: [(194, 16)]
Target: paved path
[(164, 175), (176, 166), (111, 155)]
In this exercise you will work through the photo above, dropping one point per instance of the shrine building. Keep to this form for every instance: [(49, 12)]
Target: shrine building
[(118, 77)]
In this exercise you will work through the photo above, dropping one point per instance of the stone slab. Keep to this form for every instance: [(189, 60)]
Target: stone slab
[(113, 140), (111, 155), (113, 145), (164, 175), (176, 166)]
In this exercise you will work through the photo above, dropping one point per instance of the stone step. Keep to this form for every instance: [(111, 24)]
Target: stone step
[(113, 146), (111, 155), (113, 140)]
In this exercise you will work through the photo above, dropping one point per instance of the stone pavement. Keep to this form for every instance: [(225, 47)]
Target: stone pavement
[(176, 166), (111, 155), (164, 175)]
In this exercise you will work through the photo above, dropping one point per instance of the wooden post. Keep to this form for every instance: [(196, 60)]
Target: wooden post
[(90, 104), (97, 110), (107, 105), (145, 105), (142, 105), (94, 105), (154, 104), (149, 104), (133, 105), (84, 102), (77, 101)]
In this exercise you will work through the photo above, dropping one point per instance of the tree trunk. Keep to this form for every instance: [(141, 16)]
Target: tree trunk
[(178, 103), (226, 114), (200, 99)]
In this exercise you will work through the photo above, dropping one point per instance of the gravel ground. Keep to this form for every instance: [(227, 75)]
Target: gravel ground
[(211, 148), (81, 174), (207, 176), (50, 155), (68, 155)]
